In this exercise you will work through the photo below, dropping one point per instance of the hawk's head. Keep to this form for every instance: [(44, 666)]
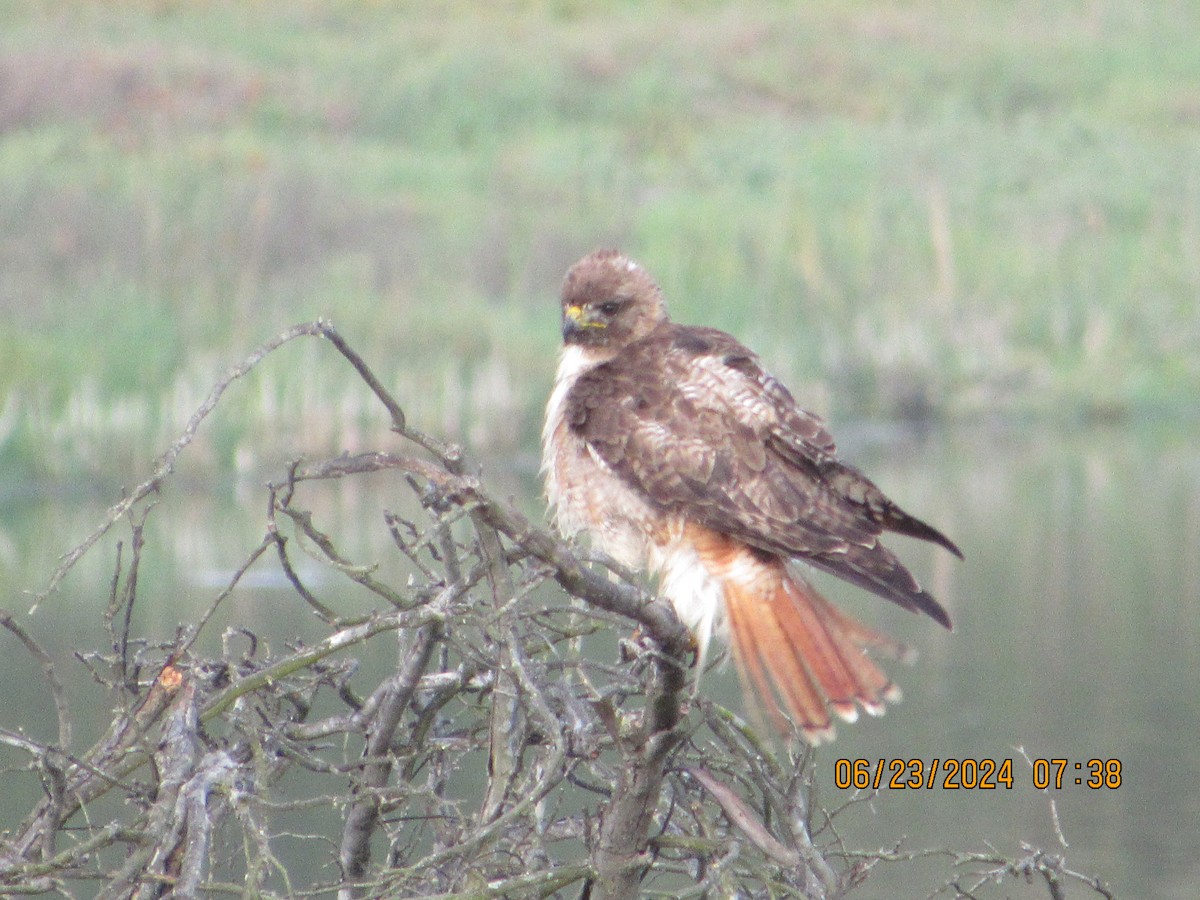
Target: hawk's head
[(608, 301)]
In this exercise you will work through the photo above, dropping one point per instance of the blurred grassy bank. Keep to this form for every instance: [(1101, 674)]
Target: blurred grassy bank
[(925, 209)]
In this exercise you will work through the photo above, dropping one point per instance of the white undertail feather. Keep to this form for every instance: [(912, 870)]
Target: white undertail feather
[(696, 594)]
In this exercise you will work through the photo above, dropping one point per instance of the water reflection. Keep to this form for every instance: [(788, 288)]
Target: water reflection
[(1076, 612)]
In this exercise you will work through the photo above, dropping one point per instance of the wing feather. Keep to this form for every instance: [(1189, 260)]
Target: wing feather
[(689, 417)]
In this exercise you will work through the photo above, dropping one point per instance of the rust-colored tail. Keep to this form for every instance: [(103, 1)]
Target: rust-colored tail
[(799, 656)]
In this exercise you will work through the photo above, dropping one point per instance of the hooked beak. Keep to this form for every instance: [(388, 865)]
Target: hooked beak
[(574, 321)]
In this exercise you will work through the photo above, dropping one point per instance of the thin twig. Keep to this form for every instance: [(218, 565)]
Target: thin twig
[(47, 666), (166, 463)]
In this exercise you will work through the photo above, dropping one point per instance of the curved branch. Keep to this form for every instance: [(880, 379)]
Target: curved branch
[(166, 463)]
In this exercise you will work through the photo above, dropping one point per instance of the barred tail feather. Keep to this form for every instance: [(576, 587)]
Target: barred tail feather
[(801, 658)]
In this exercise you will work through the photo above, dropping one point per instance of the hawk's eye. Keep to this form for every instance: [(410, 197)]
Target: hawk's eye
[(610, 308)]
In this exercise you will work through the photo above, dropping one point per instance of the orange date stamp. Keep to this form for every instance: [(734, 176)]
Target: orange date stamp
[(967, 773)]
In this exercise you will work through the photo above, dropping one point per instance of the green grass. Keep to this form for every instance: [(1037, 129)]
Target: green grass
[(931, 209)]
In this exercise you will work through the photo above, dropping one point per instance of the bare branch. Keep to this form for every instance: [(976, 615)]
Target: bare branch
[(47, 665), (166, 463), (355, 853), (514, 742)]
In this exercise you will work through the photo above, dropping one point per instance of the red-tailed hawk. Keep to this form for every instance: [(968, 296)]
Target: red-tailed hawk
[(678, 453)]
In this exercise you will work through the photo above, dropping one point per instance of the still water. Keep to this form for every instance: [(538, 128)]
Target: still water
[(1077, 636)]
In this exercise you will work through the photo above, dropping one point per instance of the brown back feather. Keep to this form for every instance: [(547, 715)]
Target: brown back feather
[(689, 417)]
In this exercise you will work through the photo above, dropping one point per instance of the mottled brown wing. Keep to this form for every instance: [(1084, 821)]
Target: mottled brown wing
[(689, 418)]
